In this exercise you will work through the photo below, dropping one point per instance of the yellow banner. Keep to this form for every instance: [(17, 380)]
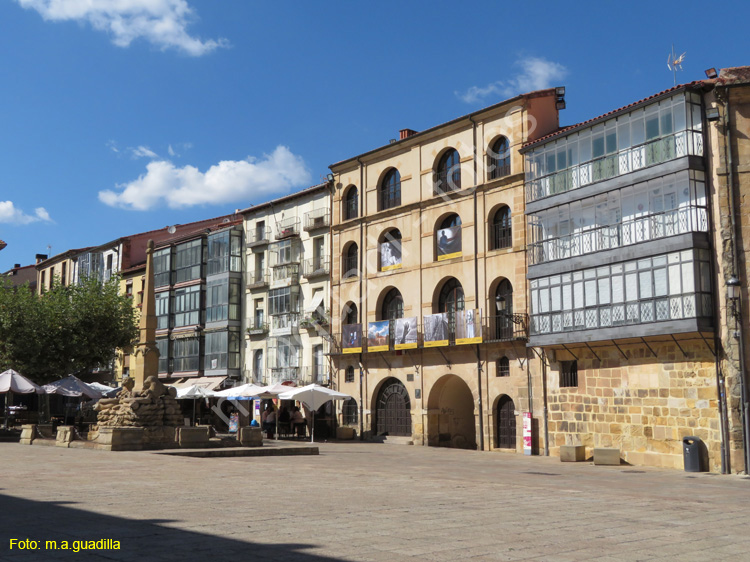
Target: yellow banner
[(377, 348), (352, 350), (450, 256), (464, 341), (390, 267), (412, 345), (437, 343)]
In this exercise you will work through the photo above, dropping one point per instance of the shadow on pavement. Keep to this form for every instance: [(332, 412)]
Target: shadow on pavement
[(151, 539)]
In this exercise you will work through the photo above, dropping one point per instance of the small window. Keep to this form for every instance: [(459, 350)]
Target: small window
[(389, 194), (501, 232), (349, 376), (393, 306), (350, 266), (351, 203), (350, 314), (503, 367), (568, 374), (498, 159)]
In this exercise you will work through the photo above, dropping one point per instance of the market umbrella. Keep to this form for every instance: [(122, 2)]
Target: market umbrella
[(242, 392), (12, 381), (107, 391), (313, 396), (72, 386), (194, 392), (274, 391)]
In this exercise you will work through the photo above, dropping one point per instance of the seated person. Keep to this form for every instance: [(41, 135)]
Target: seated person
[(270, 424), (298, 421)]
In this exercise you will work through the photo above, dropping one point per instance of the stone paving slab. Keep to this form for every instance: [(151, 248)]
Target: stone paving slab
[(365, 502)]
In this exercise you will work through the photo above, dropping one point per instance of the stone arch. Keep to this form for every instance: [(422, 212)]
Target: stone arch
[(391, 407), (451, 418)]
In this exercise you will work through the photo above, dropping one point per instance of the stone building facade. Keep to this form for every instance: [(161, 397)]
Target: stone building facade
[(428, 309)]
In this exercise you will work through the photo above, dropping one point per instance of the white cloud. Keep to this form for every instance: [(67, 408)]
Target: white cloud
[(143, 152), (161, 22), (228, 181), (536, 74), (170, 150), (10, 214)]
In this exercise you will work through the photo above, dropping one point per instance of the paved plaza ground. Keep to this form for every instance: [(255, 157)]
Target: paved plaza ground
[(362, 501)]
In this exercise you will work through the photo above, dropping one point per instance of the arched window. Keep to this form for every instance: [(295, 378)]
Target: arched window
[(448, 238), (349, 410), (351, 203), (349, 375), (390, 190), (451, 301), (503, 367), (349, 314), (393, 306), (390, 250), (350, 265), (501, 233), (448, 173), (498, 159), (504, 325)]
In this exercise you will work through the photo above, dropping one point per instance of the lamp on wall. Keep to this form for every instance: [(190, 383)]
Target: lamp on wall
[(733, 293), (712, 113)]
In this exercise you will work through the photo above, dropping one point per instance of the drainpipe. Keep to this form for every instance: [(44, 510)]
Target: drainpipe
[(745, 409), (543, 358), (476, 287), (359, 305)]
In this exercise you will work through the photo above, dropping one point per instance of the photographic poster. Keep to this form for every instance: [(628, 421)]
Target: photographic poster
[(406, 333), (449, 243), (351, 338), (377, 335), (390, 255), (468, 326), (436, 333)]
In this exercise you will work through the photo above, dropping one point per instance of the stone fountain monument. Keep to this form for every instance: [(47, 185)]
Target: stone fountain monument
[(145, 413)]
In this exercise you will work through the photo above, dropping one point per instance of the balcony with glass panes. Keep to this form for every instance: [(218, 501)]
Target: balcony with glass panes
[(663, 207), (285, 262), (661, 294), (283, 310), (224, 252), (223, 300), (188, 261), (283, 360), (649, 135), (222, 352)]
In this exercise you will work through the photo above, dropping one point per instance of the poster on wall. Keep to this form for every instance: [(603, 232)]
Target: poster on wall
[(449, 243), (351, 338), (436, 330), (527, 444), (377, 335), (406, 333), (468, 326), (390, 255)]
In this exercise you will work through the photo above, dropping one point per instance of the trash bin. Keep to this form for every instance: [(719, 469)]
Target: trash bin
[(691, 453)]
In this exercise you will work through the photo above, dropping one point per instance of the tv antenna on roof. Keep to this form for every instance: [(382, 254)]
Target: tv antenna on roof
[(172, 229), (674, 63)]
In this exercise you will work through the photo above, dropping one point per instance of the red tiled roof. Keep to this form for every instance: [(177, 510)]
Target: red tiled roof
[(622, 109)]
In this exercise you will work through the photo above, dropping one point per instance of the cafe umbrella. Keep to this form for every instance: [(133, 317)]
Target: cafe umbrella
[(313, 396), (194, 392), (12, 381)]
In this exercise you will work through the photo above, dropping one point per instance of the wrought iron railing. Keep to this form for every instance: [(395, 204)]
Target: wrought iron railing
[(288, 273), (287, 227), (446, 181), (645, 311), (257, 327), (258, 236), (690, 218), (498, 171), (277, 375), (502, 236), (285, 322), (320, 218), (257, 279), (350, 266), (627, 160), (316, 267), (390, 196)]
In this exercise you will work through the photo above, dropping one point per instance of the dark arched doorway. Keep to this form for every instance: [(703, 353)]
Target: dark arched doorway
[(506, 423), (393, 409), (452, 420)]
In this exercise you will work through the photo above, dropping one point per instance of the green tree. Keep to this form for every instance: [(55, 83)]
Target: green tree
[(66, 330)]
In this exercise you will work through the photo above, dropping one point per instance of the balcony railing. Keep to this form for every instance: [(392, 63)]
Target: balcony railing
[(320, 218), (316, 267), (390, 197), (257, 279), (627, 160), (351, 209), (446, 181), (498, 171), (287, 227), (258, 236), (646, 311), (285, 323), (257, 327), (502, 236), (690, 218), (286, 274), (501, 328), (277, 375)]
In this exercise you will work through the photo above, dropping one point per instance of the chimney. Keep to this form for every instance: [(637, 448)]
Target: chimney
[(406, 133), (40, 258), (16, 265)]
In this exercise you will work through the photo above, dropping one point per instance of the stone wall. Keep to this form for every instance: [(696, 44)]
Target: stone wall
[(643, 405)]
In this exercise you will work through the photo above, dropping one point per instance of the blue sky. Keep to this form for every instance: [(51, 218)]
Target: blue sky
[(121, 116)]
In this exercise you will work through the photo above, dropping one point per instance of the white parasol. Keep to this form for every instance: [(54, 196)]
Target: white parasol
[(313, 396)]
